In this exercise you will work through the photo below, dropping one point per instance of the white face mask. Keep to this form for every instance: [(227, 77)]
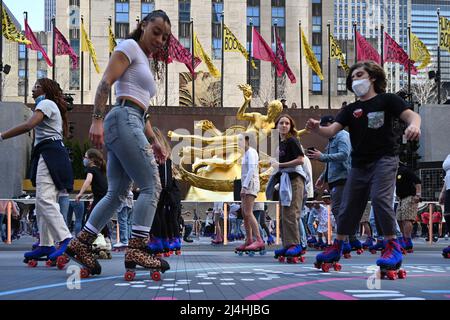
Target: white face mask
[(361, 87)]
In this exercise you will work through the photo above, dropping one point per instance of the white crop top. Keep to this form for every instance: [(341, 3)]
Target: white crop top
[(138, 80)]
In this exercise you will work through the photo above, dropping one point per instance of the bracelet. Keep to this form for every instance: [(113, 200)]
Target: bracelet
[(97, 116), (146, 117)]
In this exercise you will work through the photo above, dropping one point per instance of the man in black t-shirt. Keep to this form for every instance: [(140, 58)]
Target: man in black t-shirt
[(374, 157), (408, 189)]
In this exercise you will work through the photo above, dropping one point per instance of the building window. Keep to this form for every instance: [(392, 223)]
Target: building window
[(122, 19), (22, 50), (279, 17), (217, 9), (184, 27), (74, 83), (316, 84), (253, 16), (21, 84), (147, 6), (41, 74)]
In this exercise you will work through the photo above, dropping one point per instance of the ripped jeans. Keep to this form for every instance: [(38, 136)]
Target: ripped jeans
[(130, 158)]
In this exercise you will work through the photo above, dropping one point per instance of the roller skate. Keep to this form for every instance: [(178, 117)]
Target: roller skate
[(41, 253), (270, 240), (311, 241), (119, 246), (330, 257), (346, 250), (137, 255), (294, 254), (166, 247), (58, 258), (217, 240), (391, 261), (280, 254), (406, 245), (155, 246), (239, 250), (446, 253), (368, 243), (81, 251), (175, 246), (356, 245), (102, 248), (320, 245), (378, 246), (257, 246)]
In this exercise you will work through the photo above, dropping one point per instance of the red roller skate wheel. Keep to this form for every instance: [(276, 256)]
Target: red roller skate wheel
[(32, 263), (359, 251), (325, 267), (401, 274), (129, 276), (281, 259), (392, 275), (302, 259), (84, 273), (448, 255), (347, 255), (166, 254), (62, 261), (156, 276), (337, 267), (373, 251), (295, 260), (49, 263), (178, 253)]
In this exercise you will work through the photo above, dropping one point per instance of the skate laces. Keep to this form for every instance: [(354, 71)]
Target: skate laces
[(390, 246), (332, 248)]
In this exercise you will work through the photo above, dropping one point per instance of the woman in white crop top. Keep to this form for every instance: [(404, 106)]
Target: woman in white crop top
[(124, 132)]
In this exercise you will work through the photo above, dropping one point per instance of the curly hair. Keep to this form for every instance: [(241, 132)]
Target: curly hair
[(160, 58), (374, 70), (53, 92)]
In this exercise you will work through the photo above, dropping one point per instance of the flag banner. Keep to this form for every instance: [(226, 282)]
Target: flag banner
[(63, 48), (179, 53), (232, 44), (311, 58), (281, 56), (364, 51), (262, 51), (112, 40), (419, 52), (10, 31), (200, 53), (444, 37), (395, 53), (35, 45), (87, 46), (336, 53)]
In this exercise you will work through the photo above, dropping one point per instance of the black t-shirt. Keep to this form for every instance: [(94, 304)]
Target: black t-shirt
[(99, 183), (371, 127), (290, 149), (406, 182)]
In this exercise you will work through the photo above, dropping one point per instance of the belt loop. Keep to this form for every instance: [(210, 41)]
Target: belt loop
[(122, 104)]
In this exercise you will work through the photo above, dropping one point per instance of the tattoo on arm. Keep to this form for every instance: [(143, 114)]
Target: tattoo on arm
[(101, 98)]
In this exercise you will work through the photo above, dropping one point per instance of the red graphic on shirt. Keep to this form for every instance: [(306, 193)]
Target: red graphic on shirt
[(357, 113)]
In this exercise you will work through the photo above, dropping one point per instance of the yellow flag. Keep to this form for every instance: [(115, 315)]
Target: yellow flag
[(10, 31), (419, 52), (232, 44), (200, 53), (444, 38), (86, 46), (112, 40), (336, 53), (311, 58)]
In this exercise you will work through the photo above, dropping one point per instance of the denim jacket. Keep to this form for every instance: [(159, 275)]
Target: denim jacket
[(337, 156)]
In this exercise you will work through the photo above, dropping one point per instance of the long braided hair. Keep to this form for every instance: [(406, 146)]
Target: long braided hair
[(53, 92), (160, 58)]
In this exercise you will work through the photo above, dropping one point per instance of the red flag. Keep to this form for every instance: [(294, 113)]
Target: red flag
[(35, 45), (63, 48), (282, 56), (395, 53), (262, 51), (179, 53), (364, 51)]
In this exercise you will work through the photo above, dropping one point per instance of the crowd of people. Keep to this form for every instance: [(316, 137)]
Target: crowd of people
[(360, 164)]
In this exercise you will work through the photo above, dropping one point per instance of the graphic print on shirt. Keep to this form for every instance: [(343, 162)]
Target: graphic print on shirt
[(375, 119)]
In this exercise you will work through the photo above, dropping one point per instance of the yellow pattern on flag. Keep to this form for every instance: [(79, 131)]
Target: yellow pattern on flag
[(419, 52), (444, 37), (10, 31), (200, 53), (86, 46), (232, 44), (112, 40), (336, 53), (311, 58)]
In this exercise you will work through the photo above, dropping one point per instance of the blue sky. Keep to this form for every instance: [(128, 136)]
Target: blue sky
[(35, 9)]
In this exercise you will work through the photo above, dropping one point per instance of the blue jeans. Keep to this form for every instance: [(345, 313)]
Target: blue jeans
[(63, 202), (2, 232), (302, 231), (130, 158), (124, 220), (78, 208), (311, 218)]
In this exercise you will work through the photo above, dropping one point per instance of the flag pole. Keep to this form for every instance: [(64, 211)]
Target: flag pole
[(410, 64), (276, 57), (250, 52), (110, 91), (54, 49), (166, 80), (356, 43), (301, 66), (329, 65), (222, 67), (438, 73), (82, 64), (26, 63), (382, 45), (193, 62)]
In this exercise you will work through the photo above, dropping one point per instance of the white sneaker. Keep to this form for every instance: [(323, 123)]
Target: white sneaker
[(119, 245)]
